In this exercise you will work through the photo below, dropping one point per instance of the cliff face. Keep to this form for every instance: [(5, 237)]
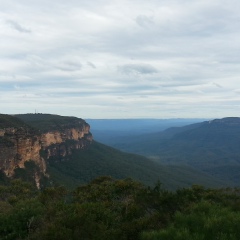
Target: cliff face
[(61, 143), (21, 144)]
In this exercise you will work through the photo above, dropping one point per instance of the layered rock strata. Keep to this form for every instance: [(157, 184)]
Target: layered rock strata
[(18, 145)]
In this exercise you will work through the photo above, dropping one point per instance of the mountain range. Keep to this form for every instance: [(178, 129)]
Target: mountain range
[(110, 131), (212, 147), (52, 149)]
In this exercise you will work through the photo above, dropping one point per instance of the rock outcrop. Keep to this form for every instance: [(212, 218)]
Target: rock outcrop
[(21, 144), (60, 144)]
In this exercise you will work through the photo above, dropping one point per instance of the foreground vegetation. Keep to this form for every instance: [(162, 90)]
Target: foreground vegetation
[(118, 209)]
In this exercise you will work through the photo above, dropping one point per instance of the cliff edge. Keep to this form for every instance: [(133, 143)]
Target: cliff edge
[(39, 137)]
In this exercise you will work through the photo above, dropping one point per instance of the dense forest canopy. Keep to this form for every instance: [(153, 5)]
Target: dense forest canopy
[(117, 209), (49, 122)]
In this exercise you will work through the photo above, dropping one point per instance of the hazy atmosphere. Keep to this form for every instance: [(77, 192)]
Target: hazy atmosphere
[(120, 59)]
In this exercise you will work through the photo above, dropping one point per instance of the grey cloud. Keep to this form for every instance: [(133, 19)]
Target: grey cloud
[(91, 65), (18, 27), (237, 91), (137, 69), (177, 49), (217, 85), (144, 21), (69, 66)]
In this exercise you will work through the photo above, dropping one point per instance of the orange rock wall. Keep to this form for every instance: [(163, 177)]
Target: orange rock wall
[(19, 145)]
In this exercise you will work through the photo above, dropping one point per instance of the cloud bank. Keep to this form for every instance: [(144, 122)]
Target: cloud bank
[(125, 59)]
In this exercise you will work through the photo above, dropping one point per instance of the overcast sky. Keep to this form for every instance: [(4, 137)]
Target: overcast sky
[(120, 59)]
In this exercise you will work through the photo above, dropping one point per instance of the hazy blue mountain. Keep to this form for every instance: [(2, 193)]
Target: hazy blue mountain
[(112, 131), (210, 146)]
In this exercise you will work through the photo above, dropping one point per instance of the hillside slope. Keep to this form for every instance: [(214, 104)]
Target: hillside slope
[(211, 146), (99, 160)]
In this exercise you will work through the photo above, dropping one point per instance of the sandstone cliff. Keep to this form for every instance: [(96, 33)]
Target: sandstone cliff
[(61, 143), (23, 143)]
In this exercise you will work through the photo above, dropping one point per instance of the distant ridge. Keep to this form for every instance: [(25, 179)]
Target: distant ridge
[(210, 146)]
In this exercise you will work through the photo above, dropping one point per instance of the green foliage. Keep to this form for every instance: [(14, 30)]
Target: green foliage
[(19, 210), (50, 122), (4, 180), (5, 142), (8, 121), (29, 173), (118, 209), (17, 191), (21, 220), (204, 221), (101, 160)]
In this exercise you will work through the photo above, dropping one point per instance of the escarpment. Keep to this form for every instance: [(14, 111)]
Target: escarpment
[(41, 141), (59, 144), (18, 145)]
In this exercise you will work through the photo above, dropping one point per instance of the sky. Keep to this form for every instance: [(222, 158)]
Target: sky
[(120, 59)]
